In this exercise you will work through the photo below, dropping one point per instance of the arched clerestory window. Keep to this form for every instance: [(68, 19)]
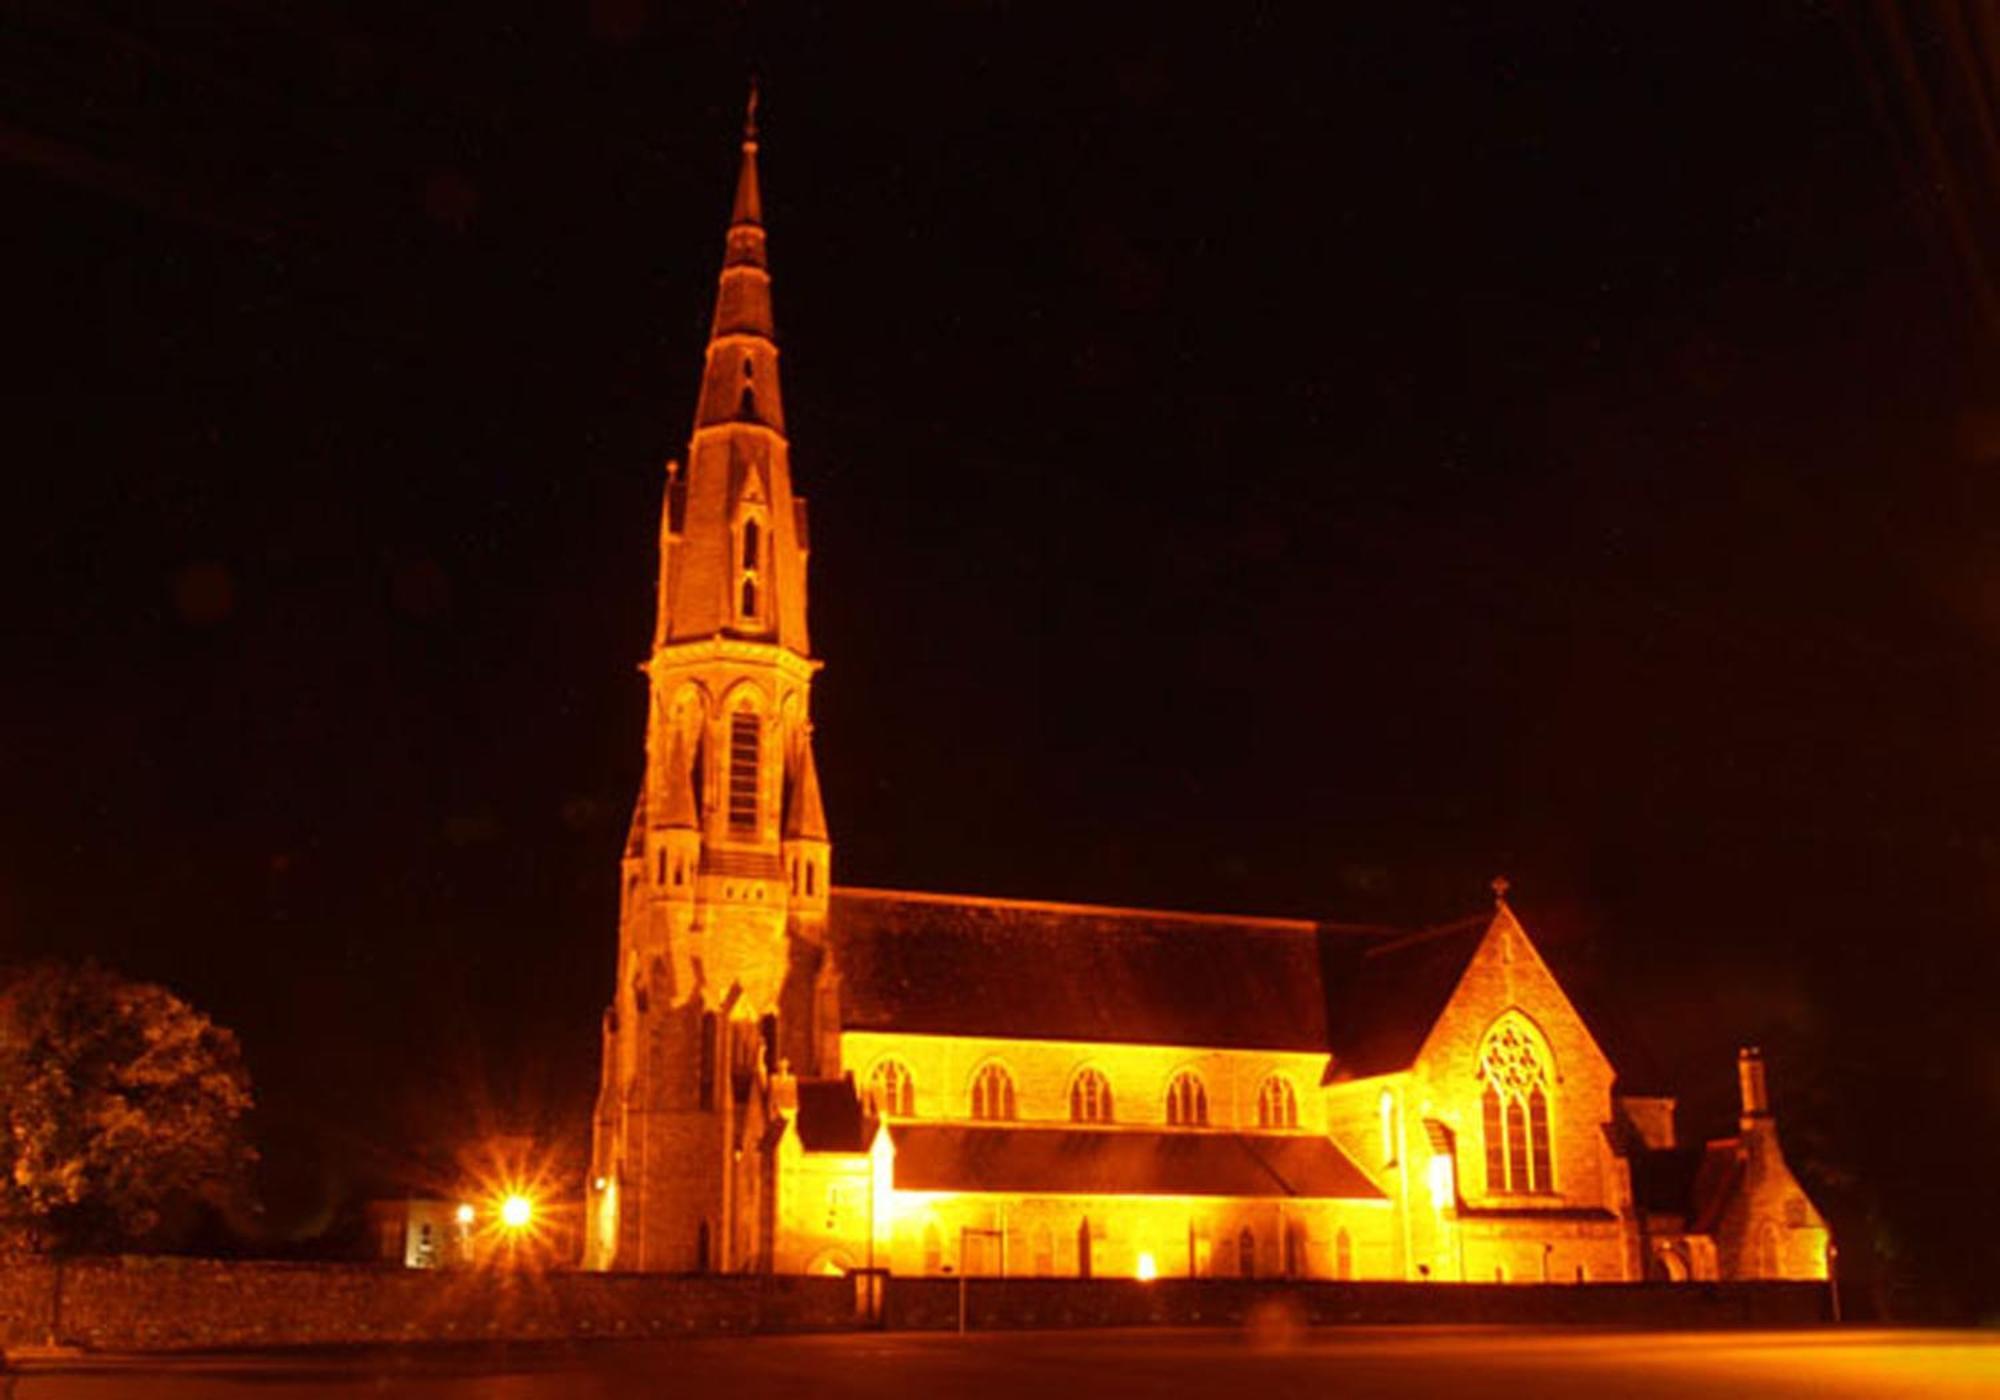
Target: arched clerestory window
[(893, 1089), (1514, 1108), (993, 1093), (1090, 1097), (1187, 1101), (1277, 1103)]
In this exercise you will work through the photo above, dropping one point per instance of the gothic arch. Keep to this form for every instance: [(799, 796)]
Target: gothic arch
[(990, 1094), (893, 1087), (831, 1263), (1517, 1075), (1186, 1102), (1277, 1102), (1090, 1096), (746, 689)]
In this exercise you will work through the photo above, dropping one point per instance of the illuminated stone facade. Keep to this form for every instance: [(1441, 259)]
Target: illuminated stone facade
[(802, 1079)]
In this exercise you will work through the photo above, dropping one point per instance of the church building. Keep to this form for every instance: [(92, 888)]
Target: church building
[(804, 1077)]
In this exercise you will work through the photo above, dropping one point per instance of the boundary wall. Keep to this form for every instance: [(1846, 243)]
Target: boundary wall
[(165, 1304)]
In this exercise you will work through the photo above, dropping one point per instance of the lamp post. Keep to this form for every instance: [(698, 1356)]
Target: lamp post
[(1833, 1277)]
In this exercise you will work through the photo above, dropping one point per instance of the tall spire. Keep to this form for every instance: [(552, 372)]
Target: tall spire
[(727, 867), (735, 551), (739, 384)]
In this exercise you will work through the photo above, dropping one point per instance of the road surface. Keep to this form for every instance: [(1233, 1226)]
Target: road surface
[(1269, 1363)]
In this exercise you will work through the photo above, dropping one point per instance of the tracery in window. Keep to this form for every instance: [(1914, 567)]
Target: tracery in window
[(1514, 1108), (894, 1089), (1187, 1102), (1090, 1097), (1277, 1103), (993, 1093)]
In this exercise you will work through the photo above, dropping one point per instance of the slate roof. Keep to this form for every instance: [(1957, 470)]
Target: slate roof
[(1723, 1164), (949, 965), (1663, 1180), (1087, 1161), (831, 1118), (1694, 1184), (961, 965), (1383, 998)]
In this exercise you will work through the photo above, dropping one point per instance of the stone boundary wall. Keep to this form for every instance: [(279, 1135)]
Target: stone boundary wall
[(931, 1303), (161, 1304), (152, 1304)]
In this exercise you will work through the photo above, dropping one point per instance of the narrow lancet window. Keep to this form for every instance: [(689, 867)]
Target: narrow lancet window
[(745, 737), (1496, 1140), (1538, 1133), (1517, 1148), (750, 570)]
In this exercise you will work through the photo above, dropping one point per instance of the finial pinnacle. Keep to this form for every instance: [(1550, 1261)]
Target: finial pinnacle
[(750, 114), (1501, 884)]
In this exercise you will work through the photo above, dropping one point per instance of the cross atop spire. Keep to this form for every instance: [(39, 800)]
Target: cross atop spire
[(1500, 885), (748, 210)]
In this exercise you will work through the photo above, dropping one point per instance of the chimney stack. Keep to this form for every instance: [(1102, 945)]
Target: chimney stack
[(1750, 1078)]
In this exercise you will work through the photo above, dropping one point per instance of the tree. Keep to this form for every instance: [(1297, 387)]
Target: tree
[(119, 1104)]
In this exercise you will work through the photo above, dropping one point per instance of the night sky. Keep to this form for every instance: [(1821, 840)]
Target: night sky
[(1300, 461)]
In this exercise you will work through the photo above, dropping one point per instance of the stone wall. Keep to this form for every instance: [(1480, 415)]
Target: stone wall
[(920, 1304), (178, 1304), (149, 1304)]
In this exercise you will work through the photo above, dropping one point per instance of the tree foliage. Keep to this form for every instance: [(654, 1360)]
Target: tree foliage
[(120, 1106)]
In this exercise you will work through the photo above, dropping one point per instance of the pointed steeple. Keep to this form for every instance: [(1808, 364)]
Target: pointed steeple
[(805, 818), (734, 560), (740, 381)]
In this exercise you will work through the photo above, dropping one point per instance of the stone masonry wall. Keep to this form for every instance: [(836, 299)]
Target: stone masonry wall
[(921, 1304), (189, 1304), (165, 1304)]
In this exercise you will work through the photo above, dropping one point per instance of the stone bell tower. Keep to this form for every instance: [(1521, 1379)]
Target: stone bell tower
[(725, 870)]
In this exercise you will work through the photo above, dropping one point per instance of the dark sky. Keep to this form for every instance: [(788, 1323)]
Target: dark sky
[(1293, 460)]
